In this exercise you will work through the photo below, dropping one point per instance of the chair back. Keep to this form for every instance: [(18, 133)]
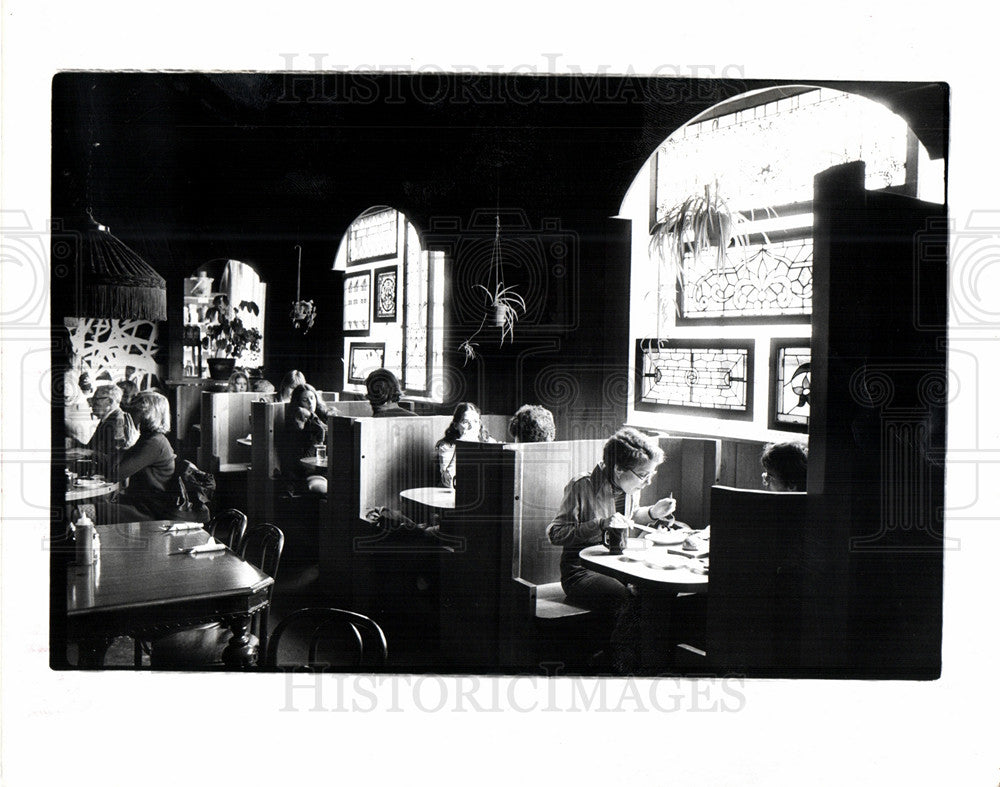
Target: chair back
[(262, 546), (325, 638), (228, 527)]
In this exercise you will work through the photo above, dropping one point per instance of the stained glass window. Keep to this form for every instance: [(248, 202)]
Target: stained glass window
[(372, 237), (792, 386), (758, 281), (693, 375), (415, 325)]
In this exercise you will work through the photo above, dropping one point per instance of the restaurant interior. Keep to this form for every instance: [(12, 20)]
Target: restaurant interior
[(718, 265)]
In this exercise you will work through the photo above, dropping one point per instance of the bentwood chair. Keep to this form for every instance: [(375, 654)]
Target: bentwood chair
[(228, 527), (325, 638), (262, 546)]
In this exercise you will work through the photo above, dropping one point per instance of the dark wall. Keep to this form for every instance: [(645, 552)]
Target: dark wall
[(187, 167)]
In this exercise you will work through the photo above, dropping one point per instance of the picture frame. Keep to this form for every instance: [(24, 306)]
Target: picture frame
[(386, 294), (363, 359), (357, 303)]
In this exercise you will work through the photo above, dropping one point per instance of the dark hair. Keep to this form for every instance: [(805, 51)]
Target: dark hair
[(627, 449), (289, 382), (383, 387), (453, 432), (786, 463), (129, 390), (532, 423)]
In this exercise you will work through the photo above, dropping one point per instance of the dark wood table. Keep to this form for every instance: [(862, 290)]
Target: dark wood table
[(138, 588)]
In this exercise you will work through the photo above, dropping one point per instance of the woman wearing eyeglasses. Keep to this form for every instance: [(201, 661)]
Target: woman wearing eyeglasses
[(605, 498)]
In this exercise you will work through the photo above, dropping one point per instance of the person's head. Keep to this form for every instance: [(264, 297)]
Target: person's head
[(305, 396), (532, 423), (262, 386), (151, 412), (105, 399), (129, 390), (288, 384), (383, 388), (466, 424), (784, 467), (239, 383), (631, 459)]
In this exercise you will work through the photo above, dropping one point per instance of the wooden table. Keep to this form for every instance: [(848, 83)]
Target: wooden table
[(74, 492), (437, 497), (658, 590), (138, 588)]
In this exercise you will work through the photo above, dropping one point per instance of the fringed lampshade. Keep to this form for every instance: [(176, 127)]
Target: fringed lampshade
[(116, 283)]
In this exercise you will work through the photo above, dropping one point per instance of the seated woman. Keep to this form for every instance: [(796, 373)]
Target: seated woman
[(148, 466), (384, 393), (607, 497), (466, 426), (532, 423), (784, 467), (304, 429), (289, 383), (238, 383)]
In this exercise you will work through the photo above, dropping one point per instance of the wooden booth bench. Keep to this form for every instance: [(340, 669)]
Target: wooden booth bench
[(502, 604), (392, 577)]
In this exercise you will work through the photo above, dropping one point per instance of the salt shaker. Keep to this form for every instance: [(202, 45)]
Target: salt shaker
[(86, 541)]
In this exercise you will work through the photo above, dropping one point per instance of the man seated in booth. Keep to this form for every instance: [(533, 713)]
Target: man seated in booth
[(384, 393), (115, 429), (784, 467)]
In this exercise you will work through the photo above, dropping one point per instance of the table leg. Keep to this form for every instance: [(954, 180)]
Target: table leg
[(240, 652), (656, 646)]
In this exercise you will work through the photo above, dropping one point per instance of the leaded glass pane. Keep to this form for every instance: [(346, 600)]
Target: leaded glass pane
[(372, 237), (758, 281), (706, 377), (793, 384), (417, 284), (768, 155)]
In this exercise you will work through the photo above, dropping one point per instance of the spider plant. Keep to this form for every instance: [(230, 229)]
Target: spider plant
[(505, 304), (696, 224)]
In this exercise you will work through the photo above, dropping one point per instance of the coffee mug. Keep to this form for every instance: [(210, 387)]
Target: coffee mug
[(615, 539)]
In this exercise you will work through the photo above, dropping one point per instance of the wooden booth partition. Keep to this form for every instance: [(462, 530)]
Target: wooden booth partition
[(739, 463), (268, 418), (225, 418), (392, 577)]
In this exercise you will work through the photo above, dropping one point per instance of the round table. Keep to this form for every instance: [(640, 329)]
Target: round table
[(74, 492), (430, 496), (247, 441), (314, 463)]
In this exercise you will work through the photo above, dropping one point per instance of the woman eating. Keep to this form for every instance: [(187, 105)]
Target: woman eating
[(607, 497), (466, 426)]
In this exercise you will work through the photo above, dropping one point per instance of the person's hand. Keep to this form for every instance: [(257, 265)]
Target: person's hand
[(615, 520), (662, 508), (447, 479)]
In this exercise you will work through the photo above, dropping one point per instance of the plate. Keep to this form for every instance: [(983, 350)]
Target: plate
[(90, 483), (668, 537)]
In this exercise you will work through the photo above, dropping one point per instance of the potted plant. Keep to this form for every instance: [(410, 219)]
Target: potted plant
[(227, 336), (696, 224)]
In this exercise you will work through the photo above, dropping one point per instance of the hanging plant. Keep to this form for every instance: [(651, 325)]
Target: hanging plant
[(303, 312), (503, 306), (698, 223)]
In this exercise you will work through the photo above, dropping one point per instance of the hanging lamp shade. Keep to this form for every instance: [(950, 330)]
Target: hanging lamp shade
[(115, 282)]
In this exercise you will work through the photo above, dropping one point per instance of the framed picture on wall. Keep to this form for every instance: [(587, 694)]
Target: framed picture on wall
[(363, 359), (385, 294), (357, 303), (372, 237)]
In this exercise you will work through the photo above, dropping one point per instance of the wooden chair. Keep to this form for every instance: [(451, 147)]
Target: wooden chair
[(262, 546), (325, 638), (228, 527), (760, 565)]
